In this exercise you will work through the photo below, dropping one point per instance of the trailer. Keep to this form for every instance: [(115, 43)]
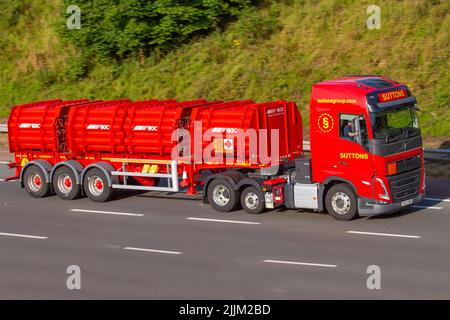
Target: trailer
[(366, 151)]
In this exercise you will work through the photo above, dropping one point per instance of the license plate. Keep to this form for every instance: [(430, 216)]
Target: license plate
[(407, 202)]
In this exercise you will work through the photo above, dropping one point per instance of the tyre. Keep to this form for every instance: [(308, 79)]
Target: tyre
[(221, 196), (65, 184), (341, 202), (34, 182), (95, 186), (252, 200)]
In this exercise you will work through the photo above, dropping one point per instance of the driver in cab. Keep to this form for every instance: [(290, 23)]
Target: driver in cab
[(348, 131)]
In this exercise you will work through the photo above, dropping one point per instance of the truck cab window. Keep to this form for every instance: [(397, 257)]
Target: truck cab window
[(347, 130), (346, 126)]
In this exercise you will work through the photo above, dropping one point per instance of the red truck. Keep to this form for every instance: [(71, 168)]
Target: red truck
[(366, 154)]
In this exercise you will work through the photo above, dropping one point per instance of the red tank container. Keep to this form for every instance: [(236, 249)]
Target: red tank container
[(97, 127), (35, 126), (143, 129), (229, 118), (149, 126)]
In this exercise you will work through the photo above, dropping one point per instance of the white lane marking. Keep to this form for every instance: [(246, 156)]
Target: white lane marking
[(226, 221), (302, 263), (109, 212), (426, 207), (384, 234), (21, 235), (437, 199), (152, 250)]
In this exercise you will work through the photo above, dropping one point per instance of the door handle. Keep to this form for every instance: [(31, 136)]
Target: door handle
[(344, 163)]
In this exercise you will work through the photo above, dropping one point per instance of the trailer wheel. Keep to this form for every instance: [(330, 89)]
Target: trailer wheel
[(341, 202), (252, 200), (221, 195), (34, 182), (95, 186), (64, 184)]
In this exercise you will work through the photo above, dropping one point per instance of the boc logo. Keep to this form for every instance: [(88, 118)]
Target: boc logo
[(325, 122)]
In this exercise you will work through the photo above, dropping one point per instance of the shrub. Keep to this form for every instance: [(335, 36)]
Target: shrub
[(116, 29)]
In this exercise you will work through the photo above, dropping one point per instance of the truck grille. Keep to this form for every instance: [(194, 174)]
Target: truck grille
[(408, 164), (405, 185)]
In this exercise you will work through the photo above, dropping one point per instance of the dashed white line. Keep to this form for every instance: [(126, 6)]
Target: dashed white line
[(152, 250), (108, 212), (437, 199), (21, 235), (384, 234), (219, 220), (302, 263), (427, 207)]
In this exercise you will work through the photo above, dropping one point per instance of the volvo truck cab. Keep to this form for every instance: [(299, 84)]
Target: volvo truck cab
[(366, 147)]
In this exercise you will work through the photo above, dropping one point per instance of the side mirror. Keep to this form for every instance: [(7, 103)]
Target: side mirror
[(357, 125)]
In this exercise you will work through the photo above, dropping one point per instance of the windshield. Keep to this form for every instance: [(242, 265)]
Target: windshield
[(395, 122)]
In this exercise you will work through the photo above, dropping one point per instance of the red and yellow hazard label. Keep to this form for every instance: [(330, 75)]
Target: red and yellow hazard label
[(223, 145)]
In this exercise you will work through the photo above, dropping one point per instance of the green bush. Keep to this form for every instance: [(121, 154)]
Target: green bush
[(116, 29)]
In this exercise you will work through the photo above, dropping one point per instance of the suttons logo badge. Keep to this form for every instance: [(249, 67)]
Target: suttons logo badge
[(353, 155), (325, 122), (393, 95)]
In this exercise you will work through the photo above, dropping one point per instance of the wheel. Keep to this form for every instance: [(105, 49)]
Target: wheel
[(65, 185), (341, 202), (252, 200), (95, 186), (34, 182), (221, 195)]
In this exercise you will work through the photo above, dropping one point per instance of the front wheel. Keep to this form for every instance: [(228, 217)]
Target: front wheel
[(341, 202)]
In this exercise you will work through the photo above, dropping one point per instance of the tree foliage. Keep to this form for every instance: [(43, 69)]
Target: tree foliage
[(120, 28)]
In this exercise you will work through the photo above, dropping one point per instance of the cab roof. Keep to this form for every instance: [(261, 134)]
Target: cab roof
[(366, 83)]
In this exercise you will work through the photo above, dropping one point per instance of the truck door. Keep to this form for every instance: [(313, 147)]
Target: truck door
[(354, 162)]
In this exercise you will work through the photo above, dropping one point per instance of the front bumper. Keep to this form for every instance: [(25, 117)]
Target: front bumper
[(373, 209)]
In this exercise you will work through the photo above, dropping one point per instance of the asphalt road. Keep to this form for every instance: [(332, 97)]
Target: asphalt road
[(157, 246)]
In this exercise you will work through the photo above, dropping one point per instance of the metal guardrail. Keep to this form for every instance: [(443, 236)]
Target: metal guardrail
[(429, 154), (437, 154), (306, 145)]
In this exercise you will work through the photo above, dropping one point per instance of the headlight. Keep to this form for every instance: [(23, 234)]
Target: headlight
[(380, 190)]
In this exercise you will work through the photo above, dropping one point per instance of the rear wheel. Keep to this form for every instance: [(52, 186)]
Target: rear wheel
[(95, 186), (341, 202), (221, 195), (35, 182), (65, 184), (252, 200)]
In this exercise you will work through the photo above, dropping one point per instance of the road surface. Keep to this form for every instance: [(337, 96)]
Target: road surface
[(160, 246)]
